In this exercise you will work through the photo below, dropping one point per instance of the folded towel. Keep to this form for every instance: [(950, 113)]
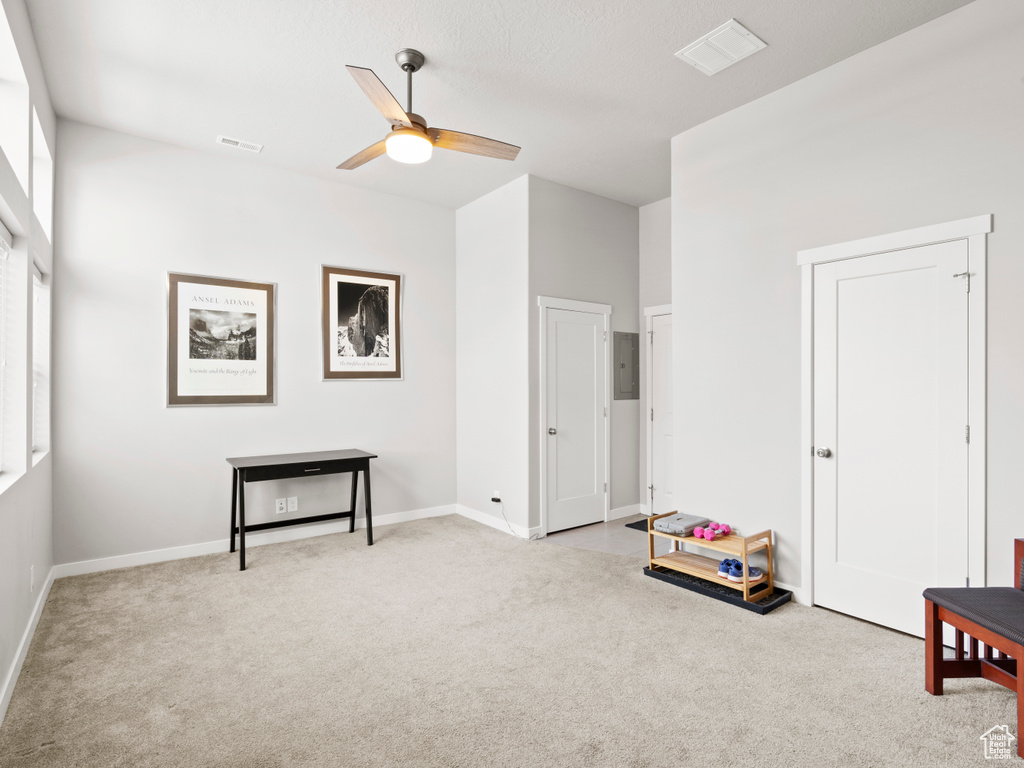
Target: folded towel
[(680, 524)]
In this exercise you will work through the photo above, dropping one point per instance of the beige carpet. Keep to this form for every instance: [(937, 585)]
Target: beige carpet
[(450, 644)]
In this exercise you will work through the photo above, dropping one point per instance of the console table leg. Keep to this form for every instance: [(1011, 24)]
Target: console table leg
[(234, 502), (352, 506), (369, 517), (241, 522)]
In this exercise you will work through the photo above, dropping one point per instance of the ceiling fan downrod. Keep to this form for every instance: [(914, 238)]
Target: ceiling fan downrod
[(410, 60)]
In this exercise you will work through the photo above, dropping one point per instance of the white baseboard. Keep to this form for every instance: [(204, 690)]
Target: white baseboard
[(628, 511), (645, 510), (26, 638), (798, 593), (251, 540), (497, 523)]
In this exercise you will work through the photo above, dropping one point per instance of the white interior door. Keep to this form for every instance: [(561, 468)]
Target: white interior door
[(661, 417), (891, 410), (575, 387)]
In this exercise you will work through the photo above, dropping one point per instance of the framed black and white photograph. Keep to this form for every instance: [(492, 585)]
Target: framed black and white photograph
[(220, 341), (361, 319)]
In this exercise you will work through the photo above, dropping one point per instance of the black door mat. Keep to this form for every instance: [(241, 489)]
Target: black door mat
[(721, 592), (639, 525)]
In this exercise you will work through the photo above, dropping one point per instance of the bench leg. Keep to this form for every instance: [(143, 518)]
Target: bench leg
[(1020, 701), (933, 649)]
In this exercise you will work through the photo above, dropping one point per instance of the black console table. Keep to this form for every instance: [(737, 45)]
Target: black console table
[(251, 469)]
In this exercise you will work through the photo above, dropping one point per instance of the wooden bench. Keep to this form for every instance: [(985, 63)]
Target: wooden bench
[(990, 616)]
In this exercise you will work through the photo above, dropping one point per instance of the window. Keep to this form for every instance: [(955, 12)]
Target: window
[(42, 178), (6, 241), (40, 362), (14, 105)]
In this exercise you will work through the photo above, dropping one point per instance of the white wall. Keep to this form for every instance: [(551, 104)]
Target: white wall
[(26, 540), (491, 256), (585, 247), (655, 290), (922, 129), (655, 254), (131, 474)]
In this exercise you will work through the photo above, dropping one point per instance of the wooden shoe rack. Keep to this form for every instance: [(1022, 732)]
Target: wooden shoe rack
[(703, 567)]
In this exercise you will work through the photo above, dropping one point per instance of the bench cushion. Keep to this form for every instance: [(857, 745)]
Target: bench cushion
[(999, 609)]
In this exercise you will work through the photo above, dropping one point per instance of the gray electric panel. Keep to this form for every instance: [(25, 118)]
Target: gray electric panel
[(626, 365)]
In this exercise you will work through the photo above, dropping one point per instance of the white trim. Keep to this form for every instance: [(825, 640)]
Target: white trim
[(660, 309), (974, 230), (807, 433), (220, 546), (11, 679), (6, 236), (799, 594), (897, 241), (498, 523), (609, 382), (645, 510), (649, 314), (977, 415), (542, 451), (550, 302), (544, 303), (627, 511)]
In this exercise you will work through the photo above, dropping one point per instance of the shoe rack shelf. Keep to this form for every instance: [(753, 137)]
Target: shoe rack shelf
[(703, 567)]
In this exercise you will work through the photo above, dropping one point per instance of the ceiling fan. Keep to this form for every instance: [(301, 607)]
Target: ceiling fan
[(410, 140)]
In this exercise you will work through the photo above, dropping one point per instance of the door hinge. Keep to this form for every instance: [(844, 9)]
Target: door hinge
[(651, 334), (606, 413), (605, 335), (968, 581), (967, 434), (606, 487), (652, 414)]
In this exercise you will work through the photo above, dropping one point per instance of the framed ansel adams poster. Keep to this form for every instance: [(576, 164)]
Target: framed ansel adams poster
[(361, 317), (220, 341)]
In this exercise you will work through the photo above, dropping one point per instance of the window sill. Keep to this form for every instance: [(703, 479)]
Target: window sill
[(8, 479)]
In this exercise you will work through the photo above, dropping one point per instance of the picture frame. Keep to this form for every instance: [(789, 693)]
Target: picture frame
[(221, 341), (361, 323)]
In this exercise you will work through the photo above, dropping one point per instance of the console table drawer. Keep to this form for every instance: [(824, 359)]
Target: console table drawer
[(280, 471)]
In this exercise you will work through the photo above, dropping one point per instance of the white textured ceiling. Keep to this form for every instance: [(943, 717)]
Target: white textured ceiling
[(590, 89)]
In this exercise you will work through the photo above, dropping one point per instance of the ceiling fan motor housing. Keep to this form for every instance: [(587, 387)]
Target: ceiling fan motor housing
[(409, 60)]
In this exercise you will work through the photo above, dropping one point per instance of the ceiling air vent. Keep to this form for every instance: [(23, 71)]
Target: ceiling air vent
[(721, 48), (248, 146)]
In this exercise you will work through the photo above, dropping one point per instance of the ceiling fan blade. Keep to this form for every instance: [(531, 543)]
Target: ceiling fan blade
[(475, 145), (380, 95), (375, 150)]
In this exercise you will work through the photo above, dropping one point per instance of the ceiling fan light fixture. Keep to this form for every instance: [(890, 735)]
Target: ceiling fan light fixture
[(408, 145)]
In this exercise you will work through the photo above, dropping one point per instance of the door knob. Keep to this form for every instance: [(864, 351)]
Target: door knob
[(824, 453), (552, 431)]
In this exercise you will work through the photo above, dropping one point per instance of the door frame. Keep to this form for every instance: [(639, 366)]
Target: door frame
[(544, 303), (649, 314), (974, 230)]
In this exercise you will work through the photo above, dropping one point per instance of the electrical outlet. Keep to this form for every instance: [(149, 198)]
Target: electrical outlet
[(280, 506), (293, 503), (31, 578), (497, 494)]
